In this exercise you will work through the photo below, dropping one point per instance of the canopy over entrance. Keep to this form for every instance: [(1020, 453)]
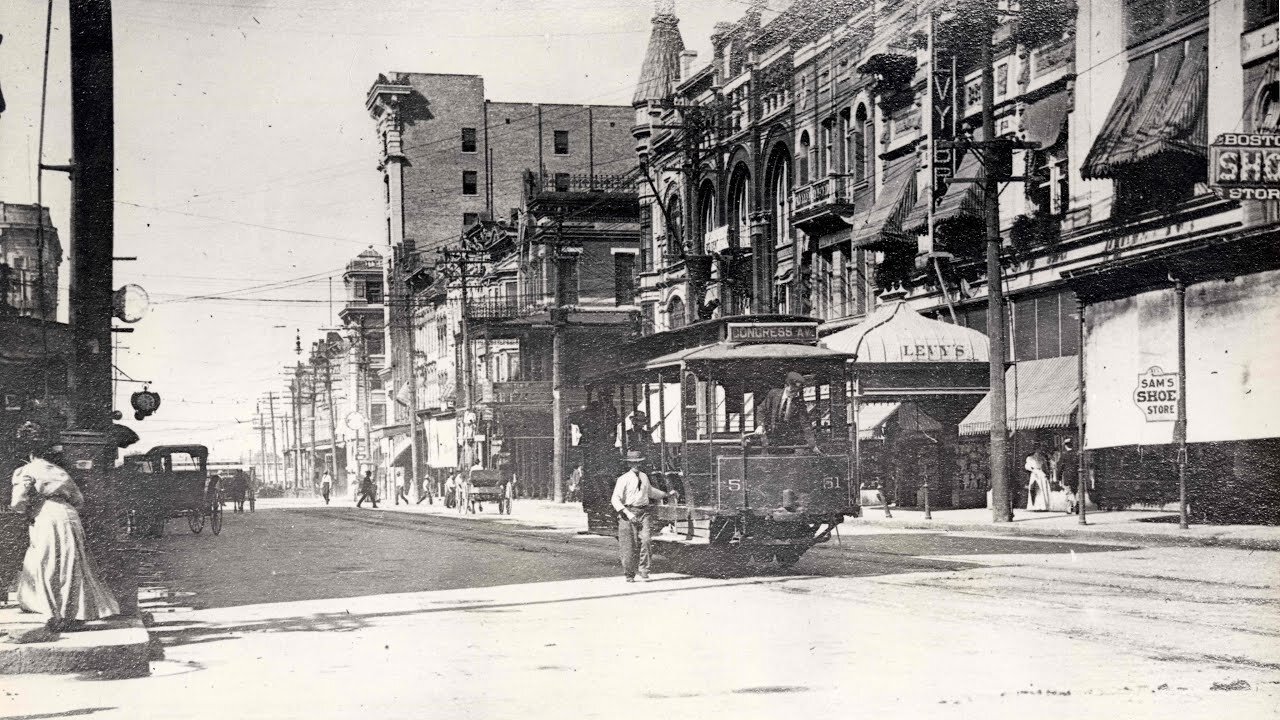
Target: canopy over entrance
[(898, 355)]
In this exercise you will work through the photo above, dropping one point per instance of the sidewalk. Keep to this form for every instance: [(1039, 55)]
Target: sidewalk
[(117, 647), (1147, 528)]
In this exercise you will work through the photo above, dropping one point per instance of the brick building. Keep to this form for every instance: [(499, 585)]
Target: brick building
[(806, 177), (451, 159)]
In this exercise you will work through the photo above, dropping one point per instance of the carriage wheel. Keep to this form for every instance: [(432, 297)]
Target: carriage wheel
[(195, 521), (215, 518)]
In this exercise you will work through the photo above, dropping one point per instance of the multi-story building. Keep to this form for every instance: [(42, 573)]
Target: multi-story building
[(837, 152), (450, 159), (30, 254)]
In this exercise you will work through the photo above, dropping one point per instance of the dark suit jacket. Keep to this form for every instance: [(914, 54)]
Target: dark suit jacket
[(789, 427)]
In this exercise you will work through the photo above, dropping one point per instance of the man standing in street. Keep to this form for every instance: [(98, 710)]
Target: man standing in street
[(632, 494), (366, 490), (326, 486)]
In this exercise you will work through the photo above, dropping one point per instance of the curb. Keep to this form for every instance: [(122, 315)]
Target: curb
[(1128, 536), (114, 648)]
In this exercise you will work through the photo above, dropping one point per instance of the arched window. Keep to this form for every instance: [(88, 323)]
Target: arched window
[(675, 313), (707, 212), (828, 147), (675, 225), (1267, 115), (846, 141), (802, 159), (740, 206), (780, 195), (859, 144)]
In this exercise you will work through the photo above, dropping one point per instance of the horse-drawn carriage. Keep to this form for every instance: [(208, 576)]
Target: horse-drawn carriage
[(483, 486), (169, 481)]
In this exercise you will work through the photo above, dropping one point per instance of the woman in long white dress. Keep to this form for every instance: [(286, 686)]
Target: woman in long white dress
[(59, 578)]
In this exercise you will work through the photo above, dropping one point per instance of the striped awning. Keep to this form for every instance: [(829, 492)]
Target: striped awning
[(1038, 394), (1044, 120), (960, 198), (882, 222), (1160, 109)]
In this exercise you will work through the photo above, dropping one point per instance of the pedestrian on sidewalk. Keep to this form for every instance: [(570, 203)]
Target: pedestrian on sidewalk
[(59, 578), (367, 491), (326, 486), (632, 495), (402, 492), (451, 490)]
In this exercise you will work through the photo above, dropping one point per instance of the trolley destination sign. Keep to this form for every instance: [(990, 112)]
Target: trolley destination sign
[(777, 332), (1245, 166)]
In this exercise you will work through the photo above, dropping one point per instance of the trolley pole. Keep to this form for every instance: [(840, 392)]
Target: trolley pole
[(1001, 508)]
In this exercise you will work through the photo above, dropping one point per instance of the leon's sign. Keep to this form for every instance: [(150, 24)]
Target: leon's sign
[(1157, 395)]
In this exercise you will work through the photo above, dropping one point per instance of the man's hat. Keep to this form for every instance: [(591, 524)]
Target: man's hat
[(634, 456), (795, 377)]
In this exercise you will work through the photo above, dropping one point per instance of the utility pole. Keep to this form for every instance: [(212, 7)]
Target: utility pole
[(262, 442), (296, 407), (333, 430), (275, 452), (1001, 508), (311, 374), (414, 450), (557, 352)]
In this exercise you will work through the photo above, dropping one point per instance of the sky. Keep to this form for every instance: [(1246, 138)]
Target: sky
[(247, 166)]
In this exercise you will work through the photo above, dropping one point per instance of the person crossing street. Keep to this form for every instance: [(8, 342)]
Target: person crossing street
[(632, 495), (367, 491)]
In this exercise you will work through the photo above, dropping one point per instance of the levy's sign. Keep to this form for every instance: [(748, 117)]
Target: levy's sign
[(1245, 166), (1157, 395), (780, 332)]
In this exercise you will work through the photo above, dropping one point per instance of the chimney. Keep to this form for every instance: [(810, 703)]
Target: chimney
[(686, 63)]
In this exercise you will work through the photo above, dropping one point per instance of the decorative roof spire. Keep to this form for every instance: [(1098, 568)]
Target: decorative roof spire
[(661, 70)]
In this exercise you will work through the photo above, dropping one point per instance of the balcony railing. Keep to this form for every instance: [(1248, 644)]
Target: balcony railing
[(506, 308), (825, 200), (838, 189), (580, 183)]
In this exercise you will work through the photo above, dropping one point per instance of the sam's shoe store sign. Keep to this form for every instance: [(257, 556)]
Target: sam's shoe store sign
[(1245, 166), (1157, 395)]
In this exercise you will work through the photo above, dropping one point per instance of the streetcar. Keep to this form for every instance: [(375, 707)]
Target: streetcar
[(702, 404)]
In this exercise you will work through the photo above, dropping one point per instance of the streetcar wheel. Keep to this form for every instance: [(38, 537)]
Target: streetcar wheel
[(195, 521), (787, 558), (215, 518)]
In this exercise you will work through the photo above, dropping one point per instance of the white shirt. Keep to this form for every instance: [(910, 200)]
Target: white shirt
[(632, 489)]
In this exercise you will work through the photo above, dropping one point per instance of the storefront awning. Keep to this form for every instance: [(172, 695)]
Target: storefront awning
[(960, 198), (782, 275), (1044, 120), (882, 222), (1038, 394), (872, 417), (1160, 109)]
